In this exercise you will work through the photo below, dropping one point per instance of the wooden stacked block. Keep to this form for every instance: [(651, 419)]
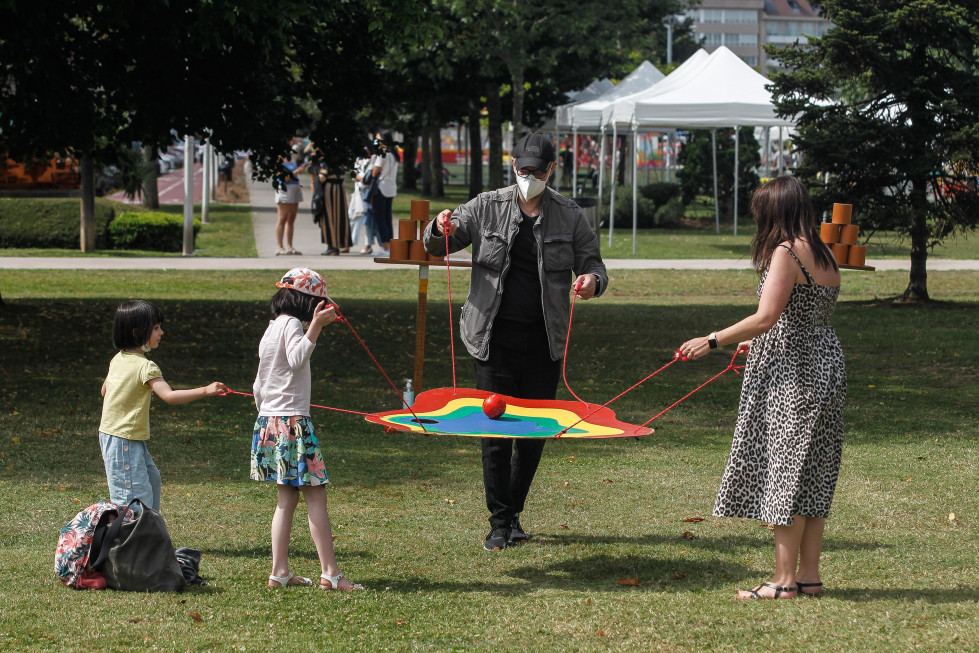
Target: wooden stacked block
[(408, 246), (841, 237)]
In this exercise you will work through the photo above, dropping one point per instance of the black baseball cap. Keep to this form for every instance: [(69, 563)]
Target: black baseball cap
[(533, 150)]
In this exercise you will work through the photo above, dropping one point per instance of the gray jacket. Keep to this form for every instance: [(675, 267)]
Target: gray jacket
[(566, 247)]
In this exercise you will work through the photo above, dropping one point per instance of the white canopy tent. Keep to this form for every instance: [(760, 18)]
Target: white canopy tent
[(619, 113), (587, 116), (722, 91)]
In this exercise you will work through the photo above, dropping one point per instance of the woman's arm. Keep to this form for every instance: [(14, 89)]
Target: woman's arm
[(774, 297)]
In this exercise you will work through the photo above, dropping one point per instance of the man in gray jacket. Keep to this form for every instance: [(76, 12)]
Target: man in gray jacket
[(528, 243)]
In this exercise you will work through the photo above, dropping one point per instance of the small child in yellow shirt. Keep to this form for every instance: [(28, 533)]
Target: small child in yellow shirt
[(125, 425)]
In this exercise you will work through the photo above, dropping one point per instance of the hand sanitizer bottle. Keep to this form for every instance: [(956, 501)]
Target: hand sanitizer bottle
[(409, 394)]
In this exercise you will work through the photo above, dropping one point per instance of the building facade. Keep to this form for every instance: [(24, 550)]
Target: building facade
[(745, 26)]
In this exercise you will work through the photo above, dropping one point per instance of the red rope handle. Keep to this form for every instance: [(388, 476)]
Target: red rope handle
[(567, 340), (448, 285)]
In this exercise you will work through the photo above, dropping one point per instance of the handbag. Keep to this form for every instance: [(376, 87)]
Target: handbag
[(138, 556), (356, 209), (75, 542)]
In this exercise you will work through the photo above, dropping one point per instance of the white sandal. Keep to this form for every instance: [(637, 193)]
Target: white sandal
[(280, 251), (284, 581), (334, 583)]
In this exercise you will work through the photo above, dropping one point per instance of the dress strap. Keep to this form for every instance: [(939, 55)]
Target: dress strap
[(804, 270)]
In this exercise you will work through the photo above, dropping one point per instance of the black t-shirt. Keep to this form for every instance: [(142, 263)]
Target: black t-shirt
[(522, 300)]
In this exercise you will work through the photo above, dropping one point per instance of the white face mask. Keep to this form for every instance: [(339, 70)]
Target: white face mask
[(530, 186)]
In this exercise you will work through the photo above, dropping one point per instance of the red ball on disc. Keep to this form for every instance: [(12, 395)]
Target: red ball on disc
[(494, 406)]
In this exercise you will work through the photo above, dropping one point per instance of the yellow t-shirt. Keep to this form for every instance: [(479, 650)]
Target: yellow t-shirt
[(126, 406)]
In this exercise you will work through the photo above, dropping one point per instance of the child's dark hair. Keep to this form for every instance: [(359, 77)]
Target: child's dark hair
[(134, 323), (288, 301)]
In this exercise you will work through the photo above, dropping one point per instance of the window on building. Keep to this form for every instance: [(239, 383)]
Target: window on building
[(794, 6), (711, 16), (751, 61), (745, 39), (744, 17), (713, 40)]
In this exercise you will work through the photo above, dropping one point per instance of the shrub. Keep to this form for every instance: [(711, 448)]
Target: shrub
[(672, 213), (28, 222), (651, 200), (162, 232), (660, 192)]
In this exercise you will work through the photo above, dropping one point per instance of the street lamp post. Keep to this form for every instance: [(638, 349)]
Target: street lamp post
[(671, 21)]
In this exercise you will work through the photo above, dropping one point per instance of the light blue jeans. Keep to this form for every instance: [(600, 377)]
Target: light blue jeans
[(130, 471)]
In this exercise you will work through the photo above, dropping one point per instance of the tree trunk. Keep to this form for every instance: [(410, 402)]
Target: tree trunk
[(426, 161), (475, 151), (409, 173), (518, 96), (435, 146), (151, 195), (86, 169), (917, 289), (495, 135)]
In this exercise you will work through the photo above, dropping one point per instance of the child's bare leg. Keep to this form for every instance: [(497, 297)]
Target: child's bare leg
[(285, 507), (321, 532)]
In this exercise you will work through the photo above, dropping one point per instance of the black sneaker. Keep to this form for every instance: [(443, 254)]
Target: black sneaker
[(517, 534), (497, 539)]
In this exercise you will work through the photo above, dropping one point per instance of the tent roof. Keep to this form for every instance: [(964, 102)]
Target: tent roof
[(587, 115), (724, 92), (593, 90), (620, 112)]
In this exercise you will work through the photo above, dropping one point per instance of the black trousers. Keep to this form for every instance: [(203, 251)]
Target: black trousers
[(519, 365)]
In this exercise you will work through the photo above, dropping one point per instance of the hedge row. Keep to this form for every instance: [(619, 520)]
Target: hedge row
[(162, 232), (47, 223)]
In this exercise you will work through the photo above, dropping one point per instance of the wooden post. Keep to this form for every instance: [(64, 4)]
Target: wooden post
[(420, 327)]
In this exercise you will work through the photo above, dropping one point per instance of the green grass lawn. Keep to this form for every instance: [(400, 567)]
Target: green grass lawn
[(408, 510)]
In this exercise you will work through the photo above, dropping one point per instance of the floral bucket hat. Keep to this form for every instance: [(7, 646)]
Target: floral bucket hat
[(306, 281)]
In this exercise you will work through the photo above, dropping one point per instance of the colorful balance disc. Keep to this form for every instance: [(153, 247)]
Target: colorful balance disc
[(444, 411)]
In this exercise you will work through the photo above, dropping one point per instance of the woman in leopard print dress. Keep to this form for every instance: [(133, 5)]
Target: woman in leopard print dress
[(788, 441)]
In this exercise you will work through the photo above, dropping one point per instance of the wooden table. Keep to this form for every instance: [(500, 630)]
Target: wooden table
[(422, 309)]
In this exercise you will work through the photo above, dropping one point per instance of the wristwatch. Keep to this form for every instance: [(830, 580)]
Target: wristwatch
[(712, 340)]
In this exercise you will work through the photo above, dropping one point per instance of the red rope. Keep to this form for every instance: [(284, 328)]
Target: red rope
[(339, 410), (567, 340), (341, 318), (448, 285), (730, 366)]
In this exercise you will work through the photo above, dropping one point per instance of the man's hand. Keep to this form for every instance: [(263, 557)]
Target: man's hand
[(444, 222), (585, 286)]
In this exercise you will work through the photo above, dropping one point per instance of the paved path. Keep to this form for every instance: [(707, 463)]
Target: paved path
[(170, 188), (307, 240)]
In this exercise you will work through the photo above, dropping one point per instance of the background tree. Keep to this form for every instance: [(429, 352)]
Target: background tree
[(696, 174), (888, 105), (84, 77)]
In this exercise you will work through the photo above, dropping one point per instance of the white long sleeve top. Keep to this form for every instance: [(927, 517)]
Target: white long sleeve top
[(283, 384)]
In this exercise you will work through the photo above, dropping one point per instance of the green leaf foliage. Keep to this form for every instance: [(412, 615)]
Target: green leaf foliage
[(150, 230), (697, 168), (887, 103), (49, 222)]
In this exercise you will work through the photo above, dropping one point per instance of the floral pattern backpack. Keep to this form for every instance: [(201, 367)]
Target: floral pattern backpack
[(71, 558)]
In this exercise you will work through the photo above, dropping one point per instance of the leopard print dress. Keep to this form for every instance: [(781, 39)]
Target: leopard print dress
[(788, 442)]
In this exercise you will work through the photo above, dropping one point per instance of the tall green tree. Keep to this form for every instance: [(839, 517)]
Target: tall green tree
[(696, 174), (83, 77), (888, 105)]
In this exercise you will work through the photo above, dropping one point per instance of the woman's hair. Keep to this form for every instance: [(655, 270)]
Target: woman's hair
[(288, 301), (784, 212), (388, 140), (134, 323)]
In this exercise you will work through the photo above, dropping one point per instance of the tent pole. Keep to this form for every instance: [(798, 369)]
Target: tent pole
[(574, 163), (635, 183), (717, 209), (611, 185), (736, 166), (601, 175)]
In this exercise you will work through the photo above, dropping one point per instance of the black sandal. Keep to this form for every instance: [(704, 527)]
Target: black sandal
[(779, 590), (801, 585)]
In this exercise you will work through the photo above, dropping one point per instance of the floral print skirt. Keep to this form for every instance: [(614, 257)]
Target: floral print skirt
[(285, 450)]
